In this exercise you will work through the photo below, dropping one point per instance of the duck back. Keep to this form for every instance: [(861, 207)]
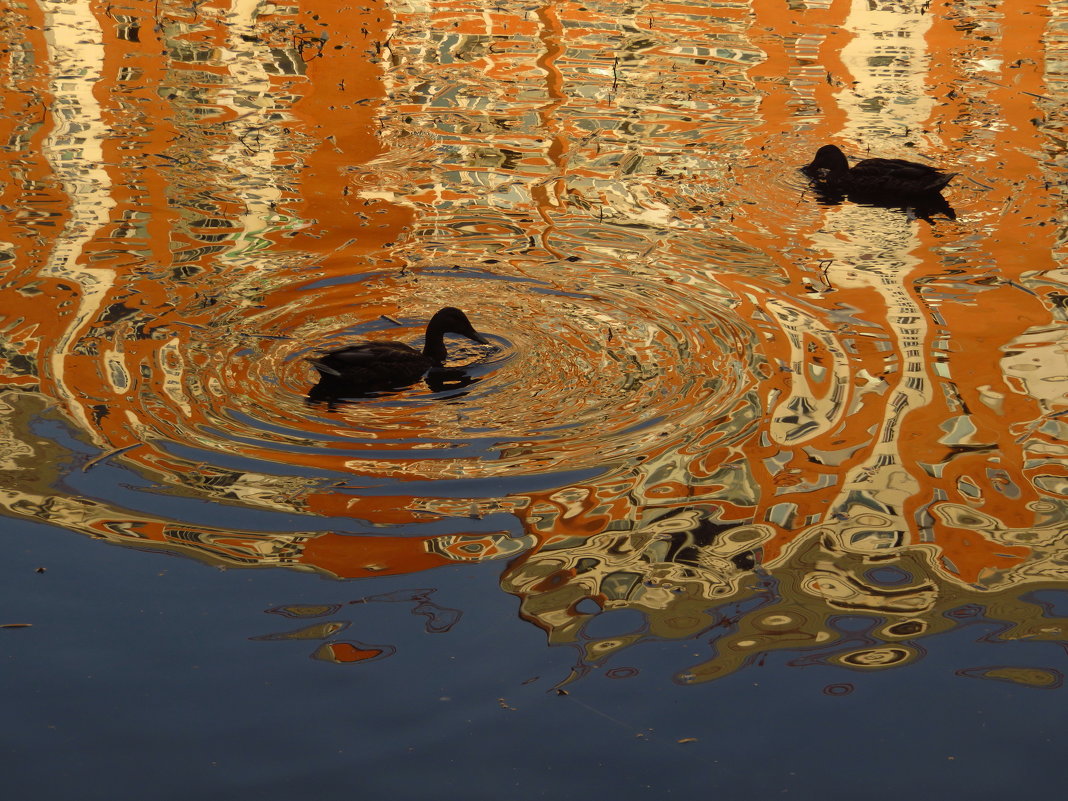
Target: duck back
[(896, 176), (373, 365)]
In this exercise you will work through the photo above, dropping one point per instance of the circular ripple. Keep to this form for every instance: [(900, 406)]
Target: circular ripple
[(617, 368)]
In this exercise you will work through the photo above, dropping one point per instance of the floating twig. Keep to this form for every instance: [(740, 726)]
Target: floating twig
[(107, 455)]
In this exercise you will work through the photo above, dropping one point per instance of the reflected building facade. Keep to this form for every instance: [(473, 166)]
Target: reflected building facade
[(776, 425)]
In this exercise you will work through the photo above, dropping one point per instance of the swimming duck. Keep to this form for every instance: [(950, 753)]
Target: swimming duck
[(874, 177), (392, 365)]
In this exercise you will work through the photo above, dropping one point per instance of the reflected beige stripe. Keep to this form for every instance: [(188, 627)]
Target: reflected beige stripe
[(74, 152)]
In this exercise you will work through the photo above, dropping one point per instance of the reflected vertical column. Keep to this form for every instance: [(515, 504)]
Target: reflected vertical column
[(74, 150)]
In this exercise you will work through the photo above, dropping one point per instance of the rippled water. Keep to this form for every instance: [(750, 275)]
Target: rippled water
[(714, 402)]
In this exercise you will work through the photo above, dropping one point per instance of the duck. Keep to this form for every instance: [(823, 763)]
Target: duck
[(380, 365), (830, 170)]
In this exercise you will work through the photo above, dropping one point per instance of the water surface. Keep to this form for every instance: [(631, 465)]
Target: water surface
[(752, 491)]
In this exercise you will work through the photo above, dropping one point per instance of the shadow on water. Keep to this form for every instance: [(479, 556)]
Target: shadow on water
[(924, 207), (333, 390)]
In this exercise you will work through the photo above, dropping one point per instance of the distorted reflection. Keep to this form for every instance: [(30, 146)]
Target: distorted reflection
[(332, 391), (924, 207), (708, 402)]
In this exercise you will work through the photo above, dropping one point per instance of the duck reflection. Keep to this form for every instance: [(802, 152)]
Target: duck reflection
[(333, 390), (921, 207)]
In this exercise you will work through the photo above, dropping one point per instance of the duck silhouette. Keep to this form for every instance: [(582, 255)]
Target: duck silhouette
[(874, 178), (381, 365)]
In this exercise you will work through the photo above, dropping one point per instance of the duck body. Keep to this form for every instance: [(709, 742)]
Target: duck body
[(830, 170), (381, 365), (374, 364)]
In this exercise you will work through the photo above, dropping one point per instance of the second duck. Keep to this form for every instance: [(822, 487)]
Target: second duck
[(876, 177)]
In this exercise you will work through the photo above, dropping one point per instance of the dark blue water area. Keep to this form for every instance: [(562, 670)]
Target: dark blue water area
[(140, 678)]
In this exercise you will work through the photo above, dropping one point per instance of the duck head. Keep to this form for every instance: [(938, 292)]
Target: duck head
[(449, 320), (829, 159)]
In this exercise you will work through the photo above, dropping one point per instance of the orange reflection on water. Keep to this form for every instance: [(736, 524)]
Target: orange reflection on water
[(711, 398)]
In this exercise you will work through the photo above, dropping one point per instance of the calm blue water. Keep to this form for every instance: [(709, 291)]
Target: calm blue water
[(140, 677)]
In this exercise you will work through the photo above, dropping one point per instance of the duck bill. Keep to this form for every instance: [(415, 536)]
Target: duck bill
[(477, 337)]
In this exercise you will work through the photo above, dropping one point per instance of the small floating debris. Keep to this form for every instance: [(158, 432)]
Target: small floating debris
[(104, 457)]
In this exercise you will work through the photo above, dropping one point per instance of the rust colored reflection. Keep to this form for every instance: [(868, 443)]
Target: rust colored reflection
[(755, 416)]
